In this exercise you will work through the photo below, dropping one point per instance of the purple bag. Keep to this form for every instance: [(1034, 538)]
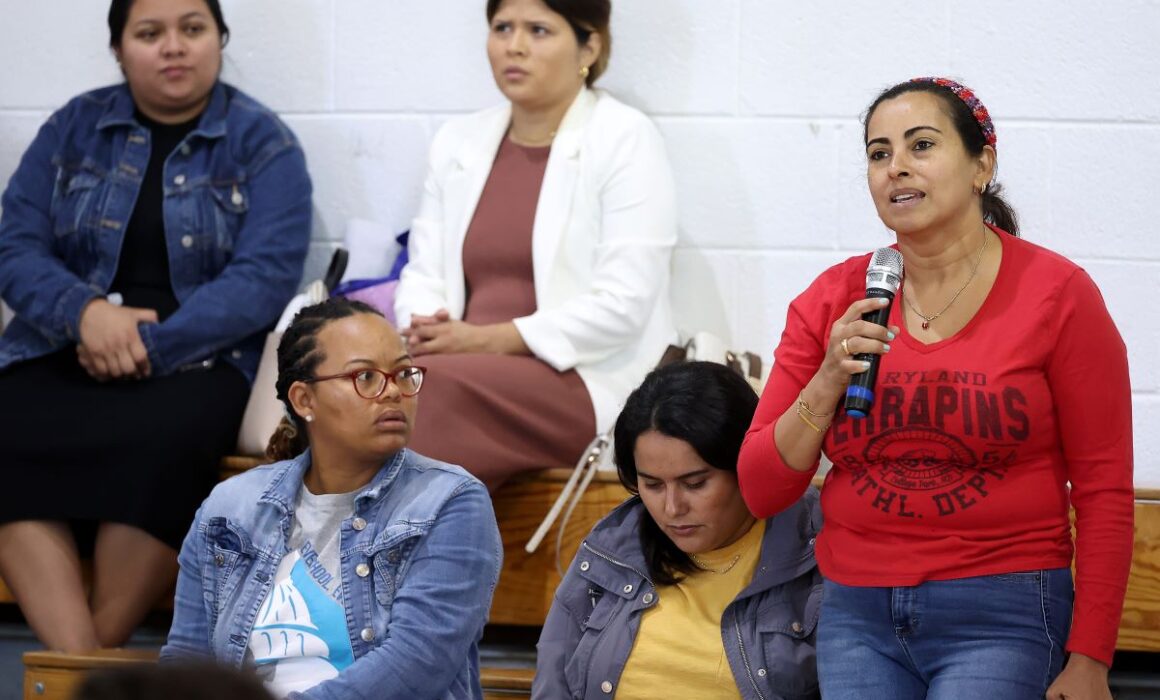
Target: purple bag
[(379, 293)]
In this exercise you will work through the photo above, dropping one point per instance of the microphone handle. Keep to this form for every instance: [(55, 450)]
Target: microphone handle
[(860, 393)]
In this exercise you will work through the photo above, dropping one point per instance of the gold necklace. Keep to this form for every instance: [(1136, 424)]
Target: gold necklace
[(974, 269), (702, 566), (532, 143)]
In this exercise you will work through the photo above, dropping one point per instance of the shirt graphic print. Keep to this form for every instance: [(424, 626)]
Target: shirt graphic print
[(300, 637)]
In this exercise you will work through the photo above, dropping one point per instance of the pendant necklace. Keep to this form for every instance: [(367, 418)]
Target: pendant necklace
[(974, 270)]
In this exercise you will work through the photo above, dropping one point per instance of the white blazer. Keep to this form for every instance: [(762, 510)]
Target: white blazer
[(602, 241)]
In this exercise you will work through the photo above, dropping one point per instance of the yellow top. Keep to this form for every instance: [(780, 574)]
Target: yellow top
[(678, 650)]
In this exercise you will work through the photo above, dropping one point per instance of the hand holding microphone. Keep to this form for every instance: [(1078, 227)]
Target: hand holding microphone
[(883, 279), (858, 339)]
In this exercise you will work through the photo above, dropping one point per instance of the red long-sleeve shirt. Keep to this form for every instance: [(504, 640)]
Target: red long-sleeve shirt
[(961, 468)]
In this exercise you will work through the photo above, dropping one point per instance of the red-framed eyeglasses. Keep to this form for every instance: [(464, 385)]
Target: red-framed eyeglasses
[(370, 383)]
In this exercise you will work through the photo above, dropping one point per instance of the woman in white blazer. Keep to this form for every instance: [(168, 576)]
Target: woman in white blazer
[(537, 291)]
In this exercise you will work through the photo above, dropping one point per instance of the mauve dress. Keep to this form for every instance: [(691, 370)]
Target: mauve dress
[(501, 415)]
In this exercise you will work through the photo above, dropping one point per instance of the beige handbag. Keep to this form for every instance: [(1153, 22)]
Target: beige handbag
[(264, 410)]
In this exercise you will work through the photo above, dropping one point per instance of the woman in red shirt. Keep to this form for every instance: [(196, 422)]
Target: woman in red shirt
[(1002, 380)]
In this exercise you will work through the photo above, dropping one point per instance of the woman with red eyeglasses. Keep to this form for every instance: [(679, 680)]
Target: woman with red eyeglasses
[(354, 563)]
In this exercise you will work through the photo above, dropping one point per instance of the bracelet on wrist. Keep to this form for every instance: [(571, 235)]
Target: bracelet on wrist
[(803, 410)]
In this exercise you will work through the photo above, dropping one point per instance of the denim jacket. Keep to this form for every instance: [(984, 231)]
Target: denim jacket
[(237, 217), (415, 615), (768, 630)]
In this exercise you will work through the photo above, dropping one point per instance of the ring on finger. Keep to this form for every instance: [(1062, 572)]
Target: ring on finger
[(845, 347)]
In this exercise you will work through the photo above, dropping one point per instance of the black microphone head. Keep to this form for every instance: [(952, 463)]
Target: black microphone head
[(885, 270)]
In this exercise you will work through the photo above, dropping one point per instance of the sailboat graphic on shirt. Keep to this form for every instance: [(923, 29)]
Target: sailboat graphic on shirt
[(300, 638)]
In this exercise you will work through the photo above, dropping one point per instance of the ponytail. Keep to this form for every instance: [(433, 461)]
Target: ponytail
[(287, 442), (997, 211)]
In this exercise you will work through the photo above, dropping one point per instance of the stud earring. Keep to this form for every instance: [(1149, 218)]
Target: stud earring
[(584, 72), (308, 419)]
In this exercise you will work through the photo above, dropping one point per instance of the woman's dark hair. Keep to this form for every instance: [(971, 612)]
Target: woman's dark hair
[(200, 681), (586, 17), (119, 17), (298, 360), (705, 404), (995, 209)]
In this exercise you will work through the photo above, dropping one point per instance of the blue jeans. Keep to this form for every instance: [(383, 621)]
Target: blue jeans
[(996, 637)]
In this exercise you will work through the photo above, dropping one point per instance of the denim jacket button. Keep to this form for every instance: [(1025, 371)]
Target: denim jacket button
[(761, 672), (219, 559), (362, 570), (358, 524), (179, 180), (648, 598), (187, 241), (606, 686), (367, 635), (628, 588), (584, 566), (185, 150), (236, 354), (796, 627)]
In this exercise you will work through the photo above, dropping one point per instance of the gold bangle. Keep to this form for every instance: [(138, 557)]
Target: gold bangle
[(807, 421), (803, 406)]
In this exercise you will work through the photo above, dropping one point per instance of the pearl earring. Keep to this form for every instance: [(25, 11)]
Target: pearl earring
[(308, 419)]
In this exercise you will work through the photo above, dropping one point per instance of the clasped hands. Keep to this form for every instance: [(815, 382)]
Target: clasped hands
[(439, 334), (110, 344)]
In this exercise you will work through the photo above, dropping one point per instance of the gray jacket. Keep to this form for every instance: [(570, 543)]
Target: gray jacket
[(768, 631)]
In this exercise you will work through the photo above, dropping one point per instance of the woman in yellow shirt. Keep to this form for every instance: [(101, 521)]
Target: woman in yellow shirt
[(680, 592)]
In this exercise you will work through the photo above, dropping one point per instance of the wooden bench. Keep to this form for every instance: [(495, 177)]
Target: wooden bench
[(54, 676), (1140, 622), (50, 675), (527, 582)]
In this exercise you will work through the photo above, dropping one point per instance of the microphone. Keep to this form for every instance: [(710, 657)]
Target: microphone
[(883, 278)]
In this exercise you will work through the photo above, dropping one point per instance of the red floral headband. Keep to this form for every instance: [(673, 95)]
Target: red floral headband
[(964, 93)]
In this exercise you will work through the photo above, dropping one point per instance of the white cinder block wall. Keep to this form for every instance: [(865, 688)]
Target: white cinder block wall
[(759, 101)]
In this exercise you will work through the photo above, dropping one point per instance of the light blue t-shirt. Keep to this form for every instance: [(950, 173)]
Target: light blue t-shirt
[(300, 638)]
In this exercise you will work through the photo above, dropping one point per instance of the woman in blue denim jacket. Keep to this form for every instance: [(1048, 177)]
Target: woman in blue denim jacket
[(680, 592), (359, 568), (151, 234)]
